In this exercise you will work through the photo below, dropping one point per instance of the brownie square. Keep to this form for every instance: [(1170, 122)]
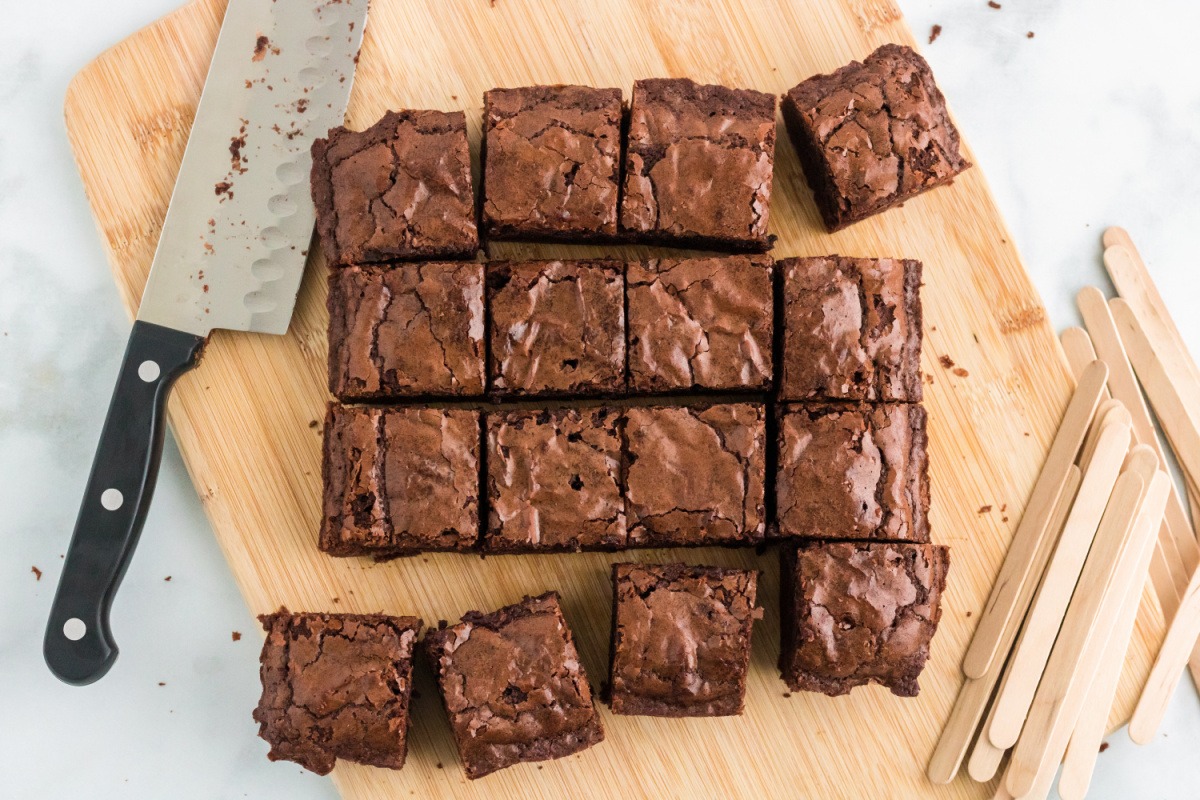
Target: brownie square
[(851, 329), (698, 165), (872, 135), (336, 686), (400, 481), (401, 189), (700, 324), (557, 327), (853, 613), (852, 473), (551, 158), (404, 331), (513, 686), (695, 474), (554, 481), (680, 639)]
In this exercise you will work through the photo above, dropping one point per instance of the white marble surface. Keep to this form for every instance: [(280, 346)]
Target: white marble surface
[(1095, 121)]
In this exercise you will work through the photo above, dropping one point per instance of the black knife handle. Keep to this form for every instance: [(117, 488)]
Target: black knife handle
[(78, 646)]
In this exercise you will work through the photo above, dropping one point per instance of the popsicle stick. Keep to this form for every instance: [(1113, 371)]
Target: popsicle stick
[(1020, 563), (1054, 744), (985, 757), (975, 696), (1079, 350), (1172, 392), (1164, 675), (1112, 553), (1080, 760), (1123, 384), (1131, 277), (1058, 582), (1106, 408)]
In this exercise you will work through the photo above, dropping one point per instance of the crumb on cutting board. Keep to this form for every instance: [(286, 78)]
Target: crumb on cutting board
[(934, 33)]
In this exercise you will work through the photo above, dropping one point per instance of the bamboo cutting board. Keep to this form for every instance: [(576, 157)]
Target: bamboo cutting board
[(247, 422)]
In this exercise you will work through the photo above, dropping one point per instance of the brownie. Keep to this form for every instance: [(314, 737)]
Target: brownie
[(403, 331), (695, 474), (554, 481), (680, 639), (847, 472), (853, 613), (336, 686), (698, 165), (851, 329), (400, 481), (551, 157), (557, 327), (401, 189), (872, 135), (700, 323), (513, 686)]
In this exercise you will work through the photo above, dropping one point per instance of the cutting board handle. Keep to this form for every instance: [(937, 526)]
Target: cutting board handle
[(78, 646)]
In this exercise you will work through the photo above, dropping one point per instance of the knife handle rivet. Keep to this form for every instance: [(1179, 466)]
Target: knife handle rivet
[(149, 371), (112, 499), (74, 629)]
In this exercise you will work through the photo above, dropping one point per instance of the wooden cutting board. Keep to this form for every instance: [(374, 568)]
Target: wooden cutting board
[(247, 422)]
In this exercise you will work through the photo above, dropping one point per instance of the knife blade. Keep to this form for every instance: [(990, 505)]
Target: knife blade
[(231, 255)]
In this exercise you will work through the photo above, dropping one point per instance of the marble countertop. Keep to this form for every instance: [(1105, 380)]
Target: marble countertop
[(1093, 121)]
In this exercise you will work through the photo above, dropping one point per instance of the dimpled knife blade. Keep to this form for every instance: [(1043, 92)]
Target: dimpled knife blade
[(237, 232)]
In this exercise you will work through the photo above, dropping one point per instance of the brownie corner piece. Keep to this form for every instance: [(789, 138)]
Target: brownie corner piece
[(872, 135), (409, 330), (663, 612), (557, 327), (551, 163), (700, 324), (698, 165), (513, 686), (852, 472), (854, 613), (399, 190), (400, 481), (554, 480), (695, 474), (851, 329), (336, 686)]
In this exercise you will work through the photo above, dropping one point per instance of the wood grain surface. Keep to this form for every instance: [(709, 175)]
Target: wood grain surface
[(247, 421)]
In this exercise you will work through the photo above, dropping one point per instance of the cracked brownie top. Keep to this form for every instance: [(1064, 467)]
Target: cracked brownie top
[(857, 613), (513, 686), (551, 160), (695, 474), (409, 330), (698, 164), (557, 327), (852, 473), (851, 329), (336, 686), (681, 639), (400, 480), (399, 190), (700, 323), (554, 480), (872, 134)]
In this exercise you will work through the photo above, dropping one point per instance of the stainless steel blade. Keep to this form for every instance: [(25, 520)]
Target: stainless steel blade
[(236, 236)]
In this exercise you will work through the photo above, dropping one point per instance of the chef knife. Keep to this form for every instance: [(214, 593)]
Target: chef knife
[(231, 255)]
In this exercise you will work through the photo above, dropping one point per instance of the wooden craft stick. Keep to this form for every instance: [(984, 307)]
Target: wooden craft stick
[(1080, 760), (1123, 384), (1164, 375), (1164, 675), (1055, 707), (1054, 744), (1079, 350), (975, 696), (1020, 563), (1131, 277), (985, 757), (1058, 582), (1106, 408)]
